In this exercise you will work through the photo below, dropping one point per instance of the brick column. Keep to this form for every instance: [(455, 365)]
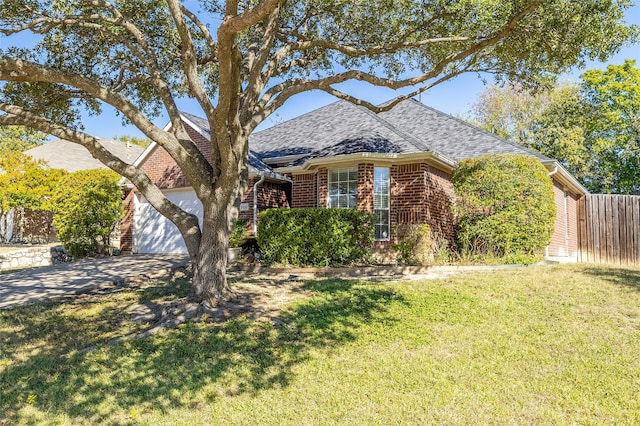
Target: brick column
[(365, 187), (323, 187)]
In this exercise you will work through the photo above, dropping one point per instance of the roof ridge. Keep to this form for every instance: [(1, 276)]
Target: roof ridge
[(407, 136)]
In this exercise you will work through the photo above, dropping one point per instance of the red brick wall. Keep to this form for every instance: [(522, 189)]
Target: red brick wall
[(438, 202), (303, 193), (323, 187), (421, 194), (270, 195), (564, 241), (164, 171), (126, 223), (365, 187), (408, 195)]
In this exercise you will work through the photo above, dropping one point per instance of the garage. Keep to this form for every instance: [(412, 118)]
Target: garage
[(154, 233)]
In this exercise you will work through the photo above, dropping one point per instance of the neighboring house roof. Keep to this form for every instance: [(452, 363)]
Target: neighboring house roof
[(62, 154)]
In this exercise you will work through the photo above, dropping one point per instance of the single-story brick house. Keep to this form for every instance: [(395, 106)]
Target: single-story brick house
[(396, 164)]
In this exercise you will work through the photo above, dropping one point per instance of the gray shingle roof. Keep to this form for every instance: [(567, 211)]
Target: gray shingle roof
[(373, 143), (327, 127), (200, 122), (344, 128), (62, 154), (447, 135)]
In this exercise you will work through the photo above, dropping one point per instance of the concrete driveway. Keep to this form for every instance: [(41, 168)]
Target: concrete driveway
[(38, 284)]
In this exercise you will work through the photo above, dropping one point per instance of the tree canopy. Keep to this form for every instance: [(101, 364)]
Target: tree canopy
[(25, 182), (241, 60), (592, 127), (20, 138)]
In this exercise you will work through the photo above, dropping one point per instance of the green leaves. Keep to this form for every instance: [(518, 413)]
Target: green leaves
[(504, 205), (87, 208), (20, 138), (591, 128), (318, 237), (24, 182), (613, 126)]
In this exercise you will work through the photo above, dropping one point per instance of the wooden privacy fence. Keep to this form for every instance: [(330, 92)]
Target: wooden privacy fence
[(609, 229)]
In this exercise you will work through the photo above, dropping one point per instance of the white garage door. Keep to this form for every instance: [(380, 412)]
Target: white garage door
[(154, 233)]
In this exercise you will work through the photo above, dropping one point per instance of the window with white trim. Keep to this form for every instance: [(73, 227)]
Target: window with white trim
[(343, 188), (381, 203)]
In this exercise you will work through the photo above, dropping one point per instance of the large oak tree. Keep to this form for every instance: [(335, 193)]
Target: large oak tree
[(241, 60)]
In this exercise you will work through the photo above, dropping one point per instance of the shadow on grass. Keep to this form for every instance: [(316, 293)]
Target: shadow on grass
[(196, 363), (620, 276)]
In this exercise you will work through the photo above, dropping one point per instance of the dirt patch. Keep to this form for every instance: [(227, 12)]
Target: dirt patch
[(261, 300), (257, 300)]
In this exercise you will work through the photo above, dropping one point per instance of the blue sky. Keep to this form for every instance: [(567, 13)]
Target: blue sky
[(454, 97)]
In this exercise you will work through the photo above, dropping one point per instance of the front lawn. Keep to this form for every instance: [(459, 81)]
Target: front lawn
[(539, 345)]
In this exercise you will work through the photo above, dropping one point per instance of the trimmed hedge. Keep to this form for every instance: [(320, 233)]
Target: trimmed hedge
[(504, 206), (318, 237)]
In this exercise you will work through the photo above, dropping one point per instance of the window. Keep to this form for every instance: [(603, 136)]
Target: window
[(381, 191), (343, 188)]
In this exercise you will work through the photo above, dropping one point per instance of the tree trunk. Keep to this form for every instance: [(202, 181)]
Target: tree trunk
[(210, 265)]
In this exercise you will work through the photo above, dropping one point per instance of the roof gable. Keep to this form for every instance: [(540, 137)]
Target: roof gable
[(201, 126), (326, 127)]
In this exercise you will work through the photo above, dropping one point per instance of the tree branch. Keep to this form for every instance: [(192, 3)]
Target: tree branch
[(186, 222), (183, 153), (234, 23), (278, 94), (189, 58)]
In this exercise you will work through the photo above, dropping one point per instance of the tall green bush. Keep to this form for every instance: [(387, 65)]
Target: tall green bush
[(319, 237), (504, 206), (87, 208)]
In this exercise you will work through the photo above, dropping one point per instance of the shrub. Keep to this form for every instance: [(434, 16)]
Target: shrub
[(317, 237), (419, 245), (87, 207), (238, 233), (504, 206), (414, 247)]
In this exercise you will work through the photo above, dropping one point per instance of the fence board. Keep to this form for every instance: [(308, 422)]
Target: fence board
[(589, 226), (636, 229), (582, 229), (609, 229)]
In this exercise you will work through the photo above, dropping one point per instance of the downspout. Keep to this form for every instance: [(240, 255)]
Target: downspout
[(255, 205), (551, 173)]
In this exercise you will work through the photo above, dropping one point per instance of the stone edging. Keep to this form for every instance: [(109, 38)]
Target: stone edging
[(32, 257)]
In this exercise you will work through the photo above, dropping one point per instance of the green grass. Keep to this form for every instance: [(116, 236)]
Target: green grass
[(540, 345)]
